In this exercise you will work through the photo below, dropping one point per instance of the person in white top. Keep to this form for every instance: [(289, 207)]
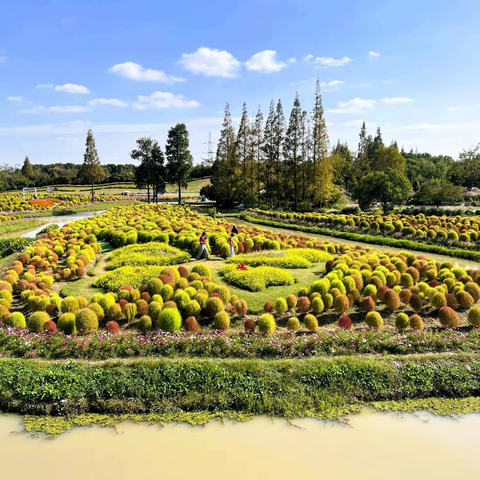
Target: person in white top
[(232, 245)]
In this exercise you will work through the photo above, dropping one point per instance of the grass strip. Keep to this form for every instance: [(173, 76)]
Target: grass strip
[(357, 237)]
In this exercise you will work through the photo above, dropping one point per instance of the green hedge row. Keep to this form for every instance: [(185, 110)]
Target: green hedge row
[(372, 239), (278, 387)]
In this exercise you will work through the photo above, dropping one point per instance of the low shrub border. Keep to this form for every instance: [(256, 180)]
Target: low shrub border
[(101, 346), (287, 388), (356, 237)]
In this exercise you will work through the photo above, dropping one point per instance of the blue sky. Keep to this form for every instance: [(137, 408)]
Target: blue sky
[(128, 69)]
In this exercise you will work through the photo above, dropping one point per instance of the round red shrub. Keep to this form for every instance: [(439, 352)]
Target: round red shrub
[(416, 302), (112, 327), (183, 271), (405, 295), (381, 292), (268, 307), (122, 303), (191, 325), (451, 301), (367, 304), (50, 326), (345, 322), (303, 304), (250, 325)]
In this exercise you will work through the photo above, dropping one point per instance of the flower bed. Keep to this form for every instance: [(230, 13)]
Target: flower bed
[(15, 342), (293, 258), (256, 279), (152, 253)]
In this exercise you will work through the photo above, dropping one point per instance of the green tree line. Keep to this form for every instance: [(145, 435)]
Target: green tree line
[(290, 164)]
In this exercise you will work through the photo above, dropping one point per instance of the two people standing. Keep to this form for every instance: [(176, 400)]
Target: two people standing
[(203, 245)]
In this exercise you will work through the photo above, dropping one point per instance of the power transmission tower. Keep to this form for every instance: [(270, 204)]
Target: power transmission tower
[(210, 153)]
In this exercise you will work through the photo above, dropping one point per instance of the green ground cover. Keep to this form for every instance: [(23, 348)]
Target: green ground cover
[(319, 387)]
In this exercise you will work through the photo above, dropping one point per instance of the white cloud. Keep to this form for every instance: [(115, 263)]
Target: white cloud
[(332, 62), (44, 85), (333, 85), (396, 100), (373, 55), (113, 102), (308, 57), (292, 60), (453, 109), (56, 109), (163, 100), (134, 71), (14, 99), (265, 62), (211, 63), (72, 88), (356, 105)]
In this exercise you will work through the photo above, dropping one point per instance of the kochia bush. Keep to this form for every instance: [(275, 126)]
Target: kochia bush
[(170, 320)]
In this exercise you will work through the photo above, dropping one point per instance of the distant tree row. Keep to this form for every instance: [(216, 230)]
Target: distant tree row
[(275, 163)]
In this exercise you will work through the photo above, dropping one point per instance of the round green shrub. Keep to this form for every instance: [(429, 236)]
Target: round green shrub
[(213, 306), (154, 310), (293, 324), (369, 290), (438, 300), (406, 280), (291, 301), (374, 320), (464, 299), (114, 312), (106, 301), (328, 300), (221, 321), (154, 286), (95, 307), (448, 317), (86, 321), (281, 305), (224, 292), (69, 305), (170, 320), (311, 323), (130, 311), (181, 298), (402, 321), (202, 270), (16, 319), (36, 322), (145, 323), (473, 316), (66, 324), (167, 292), (341, 304), (266, 323), (193, 309), (317, 305)]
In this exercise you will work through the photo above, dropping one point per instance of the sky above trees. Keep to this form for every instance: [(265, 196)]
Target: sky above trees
[(133, 69)]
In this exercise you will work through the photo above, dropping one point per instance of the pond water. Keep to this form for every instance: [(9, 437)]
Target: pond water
[(374, 446), (60, 221), (440, 258)]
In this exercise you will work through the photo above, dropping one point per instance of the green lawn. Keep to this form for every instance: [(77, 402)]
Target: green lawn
[(16, 228), (193, 188)]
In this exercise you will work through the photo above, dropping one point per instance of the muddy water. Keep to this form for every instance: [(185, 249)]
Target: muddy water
[(440, 258), (60, 221), (375, 446)]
